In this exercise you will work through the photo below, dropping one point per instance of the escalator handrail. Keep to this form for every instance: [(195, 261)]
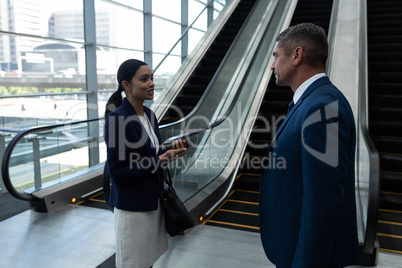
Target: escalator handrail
[(10, 147), (374, 160)]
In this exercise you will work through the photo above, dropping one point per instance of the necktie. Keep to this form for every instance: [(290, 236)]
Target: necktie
[(291, 104)]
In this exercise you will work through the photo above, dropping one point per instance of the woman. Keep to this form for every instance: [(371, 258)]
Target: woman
[(134, 157)]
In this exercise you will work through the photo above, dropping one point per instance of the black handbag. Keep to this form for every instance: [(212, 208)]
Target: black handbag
[(177, 218)]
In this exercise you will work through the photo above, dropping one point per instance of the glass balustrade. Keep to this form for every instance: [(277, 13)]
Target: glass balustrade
[(49, 156)]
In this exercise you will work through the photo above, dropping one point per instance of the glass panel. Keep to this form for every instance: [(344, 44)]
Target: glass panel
[(362, 184), (167, 9), (118, 26), (195, 8), (49, 157), (41, 17), (165, 34), (168, 66)]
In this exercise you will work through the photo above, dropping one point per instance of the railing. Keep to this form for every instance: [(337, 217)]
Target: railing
[(349, 39), (373, 164), (40, 157)]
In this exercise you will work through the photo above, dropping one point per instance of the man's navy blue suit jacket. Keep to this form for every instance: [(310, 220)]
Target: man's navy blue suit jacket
[(307, 208)]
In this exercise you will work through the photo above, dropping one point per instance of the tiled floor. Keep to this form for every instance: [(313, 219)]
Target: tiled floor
[(79, 236)]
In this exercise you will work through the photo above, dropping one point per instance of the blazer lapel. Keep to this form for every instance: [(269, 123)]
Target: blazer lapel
[(131, 112)]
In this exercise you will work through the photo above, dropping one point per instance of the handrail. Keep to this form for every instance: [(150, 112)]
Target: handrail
[(374, 160), (13, 143)]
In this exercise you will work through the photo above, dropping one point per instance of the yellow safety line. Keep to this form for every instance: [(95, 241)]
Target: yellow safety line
[(223, 203), (390, 235), (237, 225), (247, 191), (97, 200), (389, 210), (239, 212), (243, 202), (92, 199), (384, 192), (391, 250), (391, 172), (390, 222), (251, 174)]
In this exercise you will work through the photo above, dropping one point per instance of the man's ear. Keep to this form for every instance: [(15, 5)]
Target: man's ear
[(297, 55)]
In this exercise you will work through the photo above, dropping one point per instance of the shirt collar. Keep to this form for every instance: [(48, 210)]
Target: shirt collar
[(300, 90)]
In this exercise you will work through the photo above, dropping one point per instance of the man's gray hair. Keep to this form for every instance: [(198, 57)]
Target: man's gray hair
[(311, 38)]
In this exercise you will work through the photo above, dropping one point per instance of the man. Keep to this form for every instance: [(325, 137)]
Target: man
[(307, 207)]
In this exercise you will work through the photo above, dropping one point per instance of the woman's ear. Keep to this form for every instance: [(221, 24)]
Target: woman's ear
[(126, 85)]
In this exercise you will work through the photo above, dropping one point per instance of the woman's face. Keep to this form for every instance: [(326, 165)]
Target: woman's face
[(141, 86)]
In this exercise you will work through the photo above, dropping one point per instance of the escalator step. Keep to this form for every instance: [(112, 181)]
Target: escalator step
[(383, 76), (256, 148), (241, 206), (391, 162), (386, 114), (386, 56), (390, 47), (386, 67), (384, 88), (386, 101), (389, 215), (274, 106), (193, 90), (262, 134), (244, 196), (210, 62), (385, 39), (200, 80), (187, 100), (249, 181), (279, 94), (378, 128), (386, 227), (388, 144), (390, 181), (392, 199), (205, 70), (236, 218), (390, 242)]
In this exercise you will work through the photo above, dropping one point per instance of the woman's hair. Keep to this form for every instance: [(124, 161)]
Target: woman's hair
[(125, 72)]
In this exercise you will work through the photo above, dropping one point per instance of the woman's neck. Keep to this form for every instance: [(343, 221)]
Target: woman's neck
[(138, 106)]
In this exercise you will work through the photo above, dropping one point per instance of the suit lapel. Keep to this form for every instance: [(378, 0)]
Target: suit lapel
[(311, 88)]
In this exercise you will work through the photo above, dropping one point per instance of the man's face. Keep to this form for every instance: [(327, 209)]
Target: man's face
[(282, 66)]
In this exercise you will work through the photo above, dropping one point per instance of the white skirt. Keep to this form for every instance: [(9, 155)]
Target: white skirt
[(141, 237)]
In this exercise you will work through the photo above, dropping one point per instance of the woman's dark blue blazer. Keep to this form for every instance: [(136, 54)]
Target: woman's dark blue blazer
[(133, 164)]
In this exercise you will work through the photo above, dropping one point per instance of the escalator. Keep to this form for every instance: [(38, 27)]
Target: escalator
[(198, 82), (240, 209), (54, 186), (385, 114)]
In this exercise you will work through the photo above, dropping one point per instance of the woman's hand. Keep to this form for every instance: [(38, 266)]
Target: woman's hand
[(178, 150)]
